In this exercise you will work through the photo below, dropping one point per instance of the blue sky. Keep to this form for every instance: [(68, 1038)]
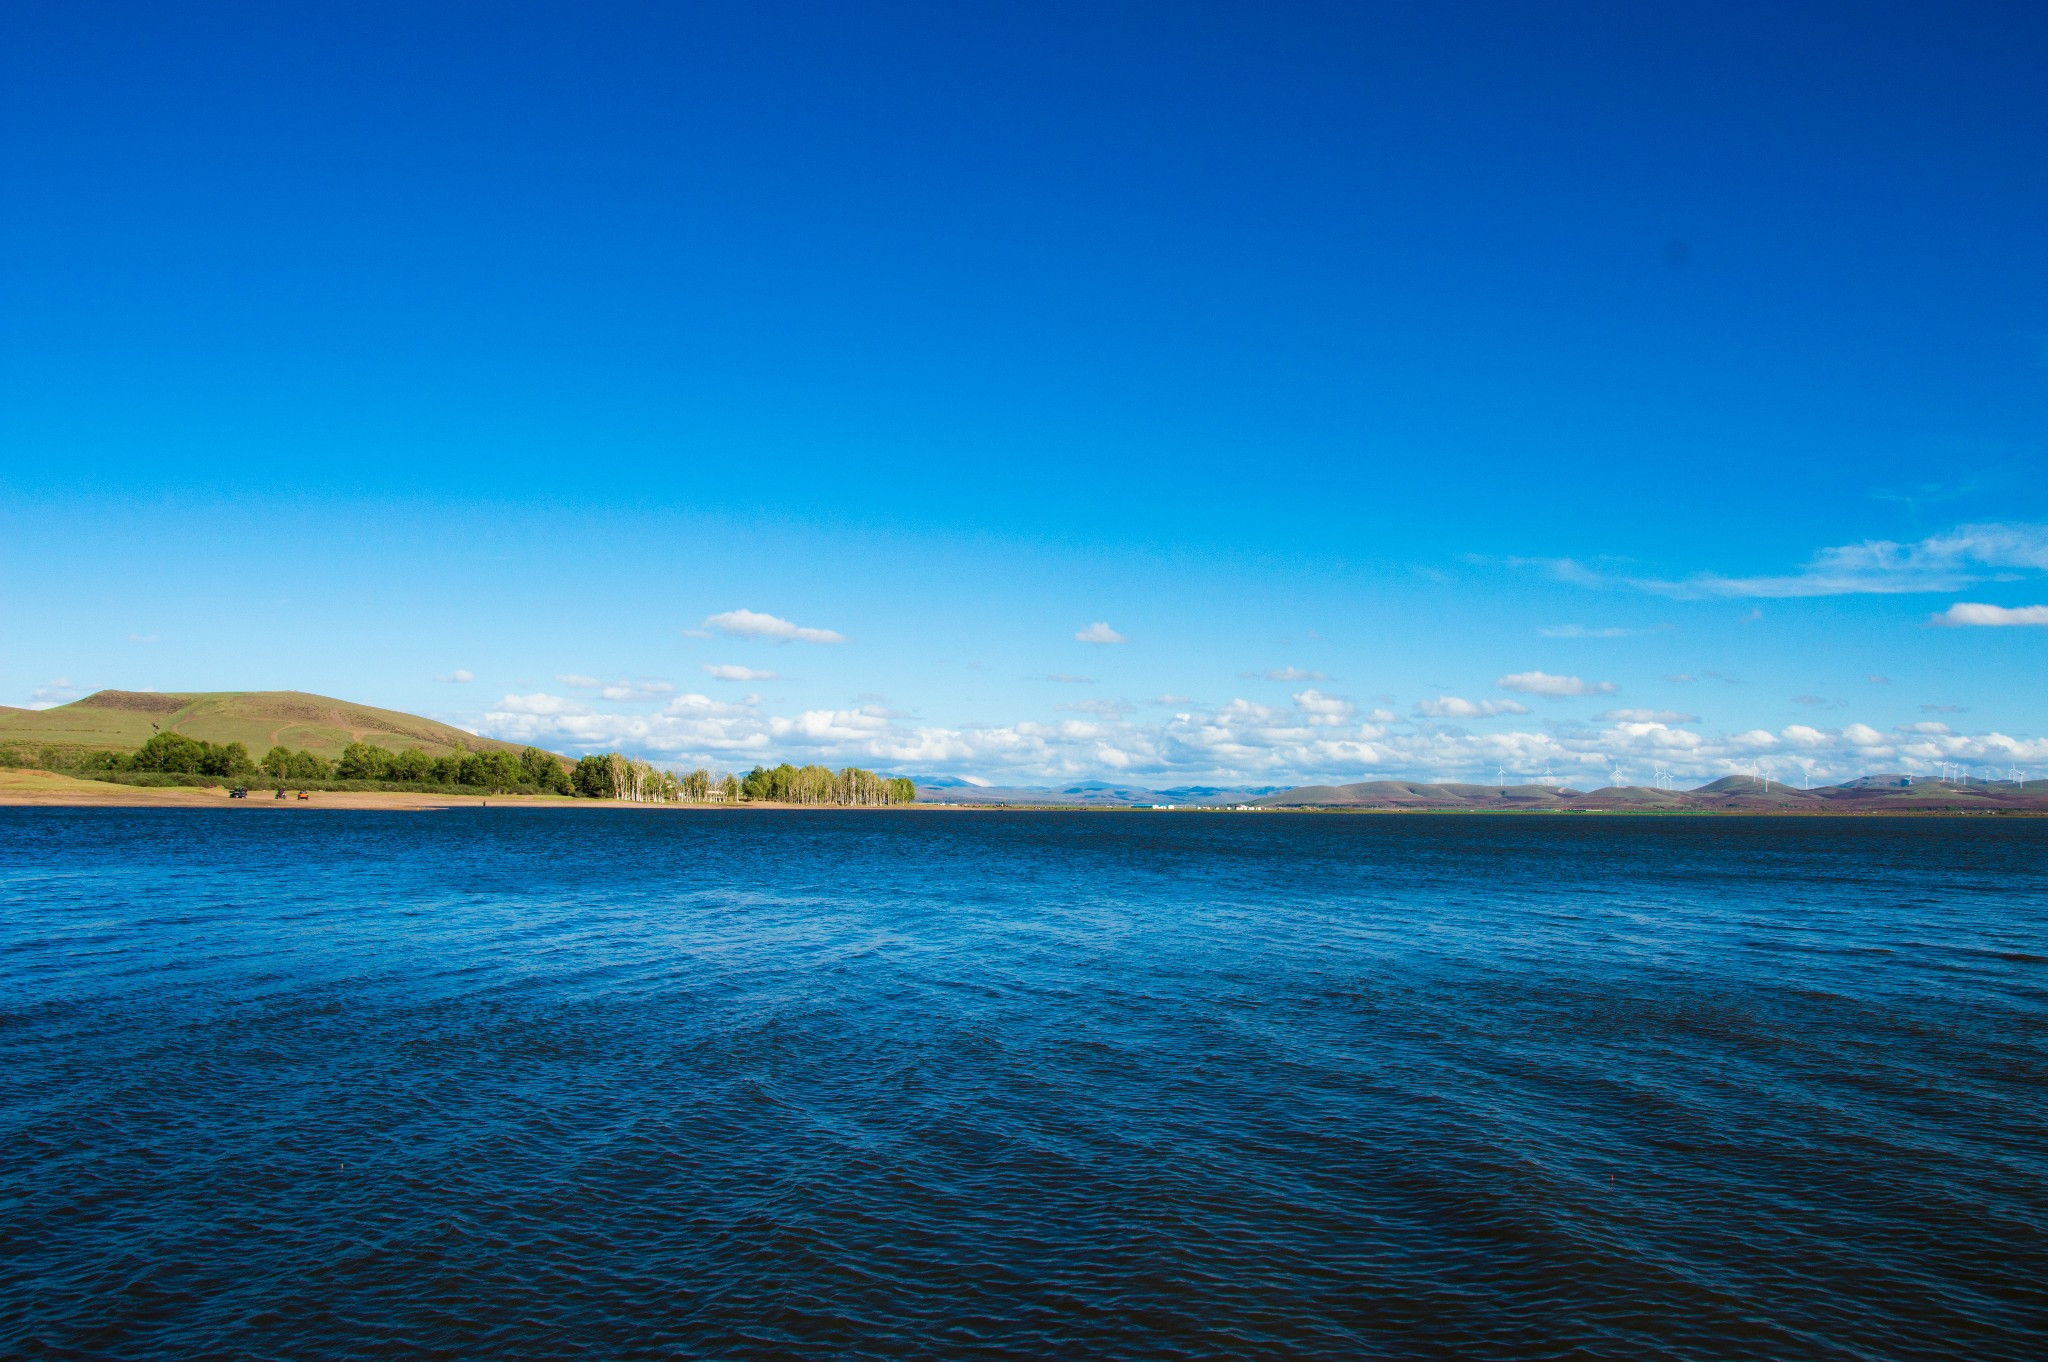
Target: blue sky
[(1414, 391)]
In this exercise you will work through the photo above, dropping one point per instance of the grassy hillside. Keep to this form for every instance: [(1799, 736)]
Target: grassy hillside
[(121, 720)]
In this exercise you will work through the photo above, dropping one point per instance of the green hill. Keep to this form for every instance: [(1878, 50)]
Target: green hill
[(262, 719)]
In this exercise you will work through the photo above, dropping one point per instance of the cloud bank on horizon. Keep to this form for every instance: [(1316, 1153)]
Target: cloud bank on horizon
[(1317, 737), (1321, 735)]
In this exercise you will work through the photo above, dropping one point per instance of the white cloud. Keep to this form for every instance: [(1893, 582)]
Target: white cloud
[(1651, 716), (1927, 727), (1543, 683), (540, 704), (1994, 616), (618, 690), (753, 624), (729, 671), (1109, 708), (1286, 674), (1099, 632), (1324, 711), (1452, 707), (460, 676), (1863, 735), (53, 693), (1944, 562), (637, 690)]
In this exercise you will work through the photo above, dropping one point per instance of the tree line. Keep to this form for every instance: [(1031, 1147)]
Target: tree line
[(609, 775), (605, 775), (176, 754)]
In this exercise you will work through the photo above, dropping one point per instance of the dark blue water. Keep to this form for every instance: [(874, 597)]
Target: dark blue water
[(760, 1085)]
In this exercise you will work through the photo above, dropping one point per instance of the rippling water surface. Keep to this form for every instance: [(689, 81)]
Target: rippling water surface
[(718, 1084)]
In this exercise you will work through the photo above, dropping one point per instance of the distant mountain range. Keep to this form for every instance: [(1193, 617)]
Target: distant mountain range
[(1730, 794)]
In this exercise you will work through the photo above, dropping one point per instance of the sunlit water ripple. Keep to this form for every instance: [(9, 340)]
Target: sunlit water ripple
[(716, 1084)]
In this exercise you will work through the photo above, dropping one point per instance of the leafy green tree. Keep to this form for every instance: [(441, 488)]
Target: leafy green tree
[(413, 764), (544, 770), (592, 777), (169, 752), (902, 790), (177, 754), (502, 770), (307, 766), (812, 785), (362, 761)]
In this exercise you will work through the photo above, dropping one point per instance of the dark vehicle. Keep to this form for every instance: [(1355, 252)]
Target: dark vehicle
[(239, 792)]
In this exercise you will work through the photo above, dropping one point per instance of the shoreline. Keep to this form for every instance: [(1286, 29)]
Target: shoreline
[(25, 787), (31, 788)]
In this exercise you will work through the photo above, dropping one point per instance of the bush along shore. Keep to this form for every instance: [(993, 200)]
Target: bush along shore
[(174, 759)]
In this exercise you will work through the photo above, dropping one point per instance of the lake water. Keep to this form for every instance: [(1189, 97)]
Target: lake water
[(716, 1084)]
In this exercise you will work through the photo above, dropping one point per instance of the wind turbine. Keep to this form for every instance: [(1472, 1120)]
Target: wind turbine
[(1500, 776), (1616, 777)]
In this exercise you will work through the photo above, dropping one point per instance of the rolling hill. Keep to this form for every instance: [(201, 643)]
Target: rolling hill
[(1730, 794), (122, 720)]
